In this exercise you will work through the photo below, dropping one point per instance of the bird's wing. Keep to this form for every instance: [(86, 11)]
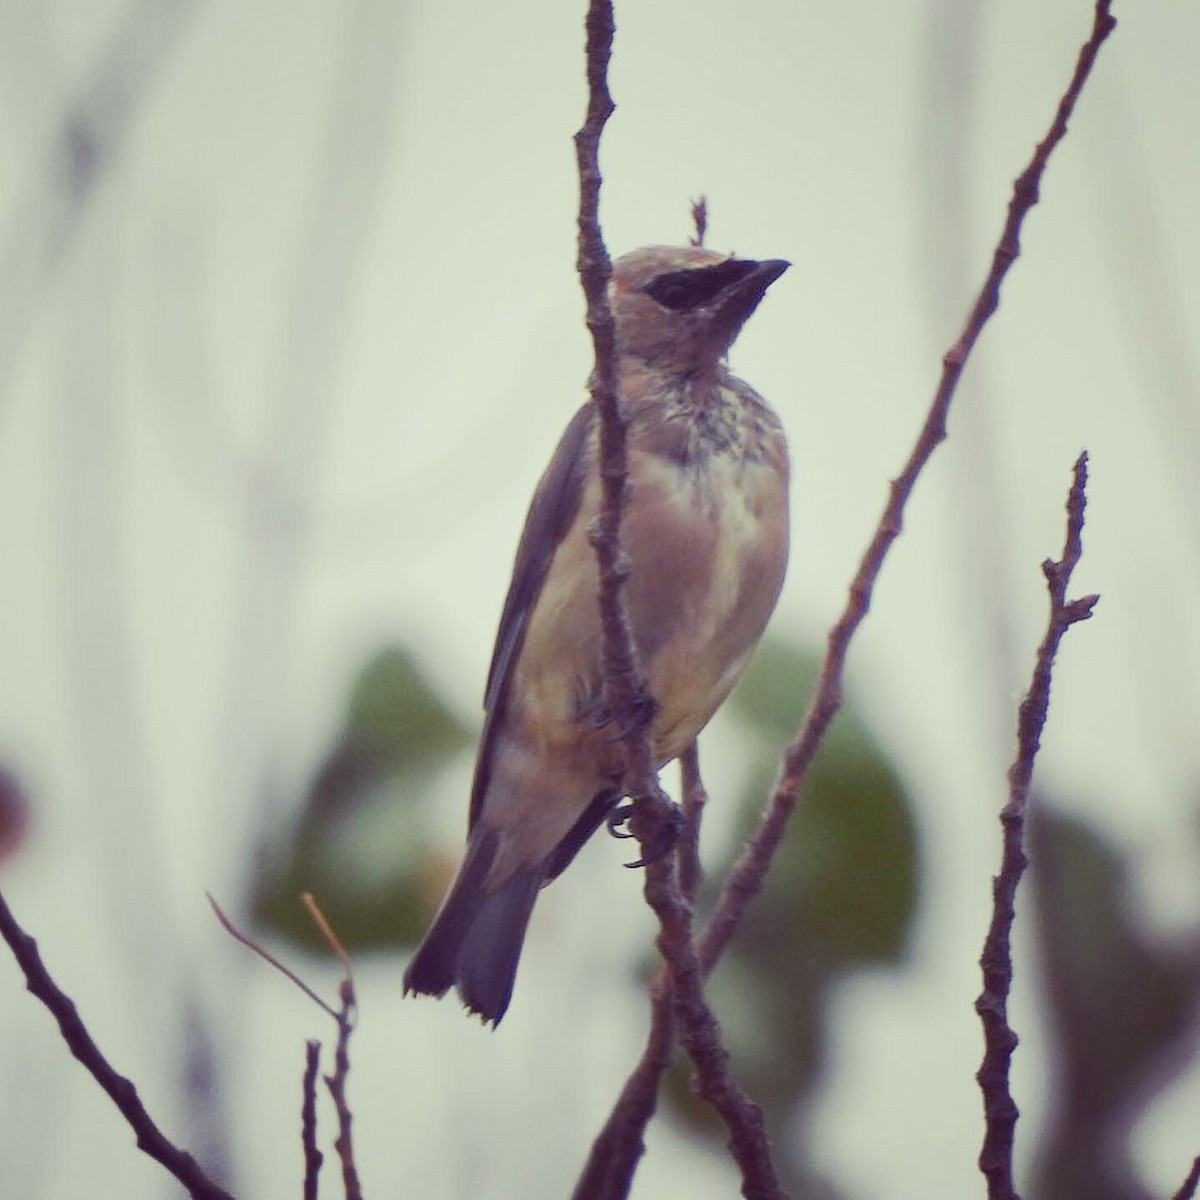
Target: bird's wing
[(553, 510)]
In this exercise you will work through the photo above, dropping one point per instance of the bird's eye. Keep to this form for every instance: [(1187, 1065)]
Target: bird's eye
[(682, 291)]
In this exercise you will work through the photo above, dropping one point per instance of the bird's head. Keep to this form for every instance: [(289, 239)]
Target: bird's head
[(681, 307)]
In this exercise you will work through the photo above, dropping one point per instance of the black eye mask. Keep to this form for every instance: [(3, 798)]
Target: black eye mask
[(684, 290)]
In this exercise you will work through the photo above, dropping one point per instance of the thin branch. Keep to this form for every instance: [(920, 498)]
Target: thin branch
[(608, 1173), (267, 957), (609, 1170), (699, 220), (150, 1139), (1190, 1184), (344, 1015), (617, 1149), (996, 1158), (321, 921), (313, 1158), (700, 1036), (336, 1083), (746, 878)]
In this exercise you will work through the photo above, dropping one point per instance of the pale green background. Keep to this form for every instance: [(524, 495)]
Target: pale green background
[(279, 389)]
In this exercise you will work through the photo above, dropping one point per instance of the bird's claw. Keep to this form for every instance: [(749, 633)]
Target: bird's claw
[(618, 817), (659, 840)]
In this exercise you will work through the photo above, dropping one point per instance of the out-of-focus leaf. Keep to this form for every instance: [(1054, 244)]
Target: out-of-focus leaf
[(396, 718), (844, 882), (841, 894), (1122, 1008), (354, 844)]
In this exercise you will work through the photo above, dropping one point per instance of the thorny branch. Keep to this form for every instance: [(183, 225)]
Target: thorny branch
[(996, 1158)]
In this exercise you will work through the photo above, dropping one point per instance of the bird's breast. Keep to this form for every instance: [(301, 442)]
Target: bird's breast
[(705, 528), (708, 543)]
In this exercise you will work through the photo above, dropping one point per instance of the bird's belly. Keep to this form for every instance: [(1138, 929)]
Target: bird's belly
[(708, 557), (707, 552)]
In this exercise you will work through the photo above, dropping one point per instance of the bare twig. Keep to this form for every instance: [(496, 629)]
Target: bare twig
[(700, 1036), (344, 1015), (608, 1173), (267, 957), (1188, 1190), (996, 1158), (746, 878), (313, 1158), (321, 921), (336, 1083), (699, 220), (150, 1139)]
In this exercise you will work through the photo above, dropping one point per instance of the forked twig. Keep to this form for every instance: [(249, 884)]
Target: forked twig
[(344, 1016)]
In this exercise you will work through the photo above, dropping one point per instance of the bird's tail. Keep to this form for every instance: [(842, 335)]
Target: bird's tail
[(475, 941)]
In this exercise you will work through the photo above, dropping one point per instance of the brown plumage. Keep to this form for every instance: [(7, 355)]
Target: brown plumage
[(706, 532)]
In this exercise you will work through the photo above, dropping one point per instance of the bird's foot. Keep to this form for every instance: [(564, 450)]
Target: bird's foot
[(653, 820)]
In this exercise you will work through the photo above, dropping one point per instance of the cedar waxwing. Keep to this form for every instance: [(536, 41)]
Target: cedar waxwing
[(705, 529)]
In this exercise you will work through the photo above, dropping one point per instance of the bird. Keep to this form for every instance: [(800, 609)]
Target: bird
[(705, 532)]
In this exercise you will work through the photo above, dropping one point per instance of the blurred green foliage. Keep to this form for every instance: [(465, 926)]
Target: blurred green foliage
[(359, 840), (842, 895)]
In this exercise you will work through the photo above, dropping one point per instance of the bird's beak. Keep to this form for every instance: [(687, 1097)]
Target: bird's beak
[(740, 299), (766, 272)]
